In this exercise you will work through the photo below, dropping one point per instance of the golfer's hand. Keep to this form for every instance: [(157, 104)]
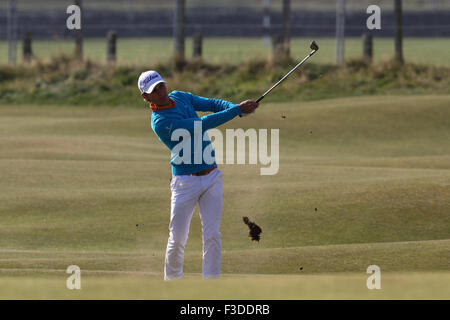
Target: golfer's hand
[(248, 106)]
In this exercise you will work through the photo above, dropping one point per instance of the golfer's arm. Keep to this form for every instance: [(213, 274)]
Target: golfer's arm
[(216, 119), (211, 105), (166, 127)]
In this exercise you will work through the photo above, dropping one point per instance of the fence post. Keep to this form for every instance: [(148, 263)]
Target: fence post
[(435, 5), (12, 31), (27, 48), (340, 31), (111, 39), (278, 49), (398, 31), (266, 22), (286, 26), (79, 34), (197, 45), (368, 47)]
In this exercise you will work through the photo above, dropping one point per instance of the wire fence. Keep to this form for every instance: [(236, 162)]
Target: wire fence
[(46, 19), (231, 18)]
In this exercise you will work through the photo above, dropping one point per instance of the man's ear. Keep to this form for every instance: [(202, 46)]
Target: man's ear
[(144, 96)]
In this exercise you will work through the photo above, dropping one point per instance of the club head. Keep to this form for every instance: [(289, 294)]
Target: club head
[(314, 46)]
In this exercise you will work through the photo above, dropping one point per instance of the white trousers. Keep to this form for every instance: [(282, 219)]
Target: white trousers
[(187, 191)]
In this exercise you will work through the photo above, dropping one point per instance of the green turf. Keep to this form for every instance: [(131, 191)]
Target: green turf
[(90, 186), (147, 52), (230, 287)]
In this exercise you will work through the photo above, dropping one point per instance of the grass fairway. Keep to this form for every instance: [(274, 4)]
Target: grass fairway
[(150, 51), (362, 181), (231, 287)]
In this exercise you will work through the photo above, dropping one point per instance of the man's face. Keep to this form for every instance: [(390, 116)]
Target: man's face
[(159, 95)]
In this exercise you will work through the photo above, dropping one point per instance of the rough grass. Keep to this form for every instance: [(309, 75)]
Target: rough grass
[(63, 81)]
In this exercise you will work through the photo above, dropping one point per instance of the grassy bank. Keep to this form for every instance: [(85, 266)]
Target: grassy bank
[(63, 81)]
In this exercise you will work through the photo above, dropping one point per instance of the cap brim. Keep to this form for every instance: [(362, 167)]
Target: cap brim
[(150, 89)]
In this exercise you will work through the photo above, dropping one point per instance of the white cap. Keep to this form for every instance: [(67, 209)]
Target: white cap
[(148, 81)]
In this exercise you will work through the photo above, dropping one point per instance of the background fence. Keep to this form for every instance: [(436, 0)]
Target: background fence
[(279, 20), (149, 18)]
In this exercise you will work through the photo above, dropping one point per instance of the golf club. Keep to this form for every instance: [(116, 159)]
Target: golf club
[(314, 47)]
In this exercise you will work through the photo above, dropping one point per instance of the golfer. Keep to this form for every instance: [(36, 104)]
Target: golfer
[(192, 181)]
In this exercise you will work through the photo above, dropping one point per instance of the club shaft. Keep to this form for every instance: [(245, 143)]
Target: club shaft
[(287, 75)]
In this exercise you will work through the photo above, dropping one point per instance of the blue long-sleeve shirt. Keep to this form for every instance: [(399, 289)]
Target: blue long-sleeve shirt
[(183, 116)]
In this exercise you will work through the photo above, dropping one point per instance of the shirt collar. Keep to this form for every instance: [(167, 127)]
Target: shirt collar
[(154, 107)]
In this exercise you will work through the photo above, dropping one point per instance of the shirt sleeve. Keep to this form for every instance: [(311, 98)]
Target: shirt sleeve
[(165, 127), (212, 105)]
